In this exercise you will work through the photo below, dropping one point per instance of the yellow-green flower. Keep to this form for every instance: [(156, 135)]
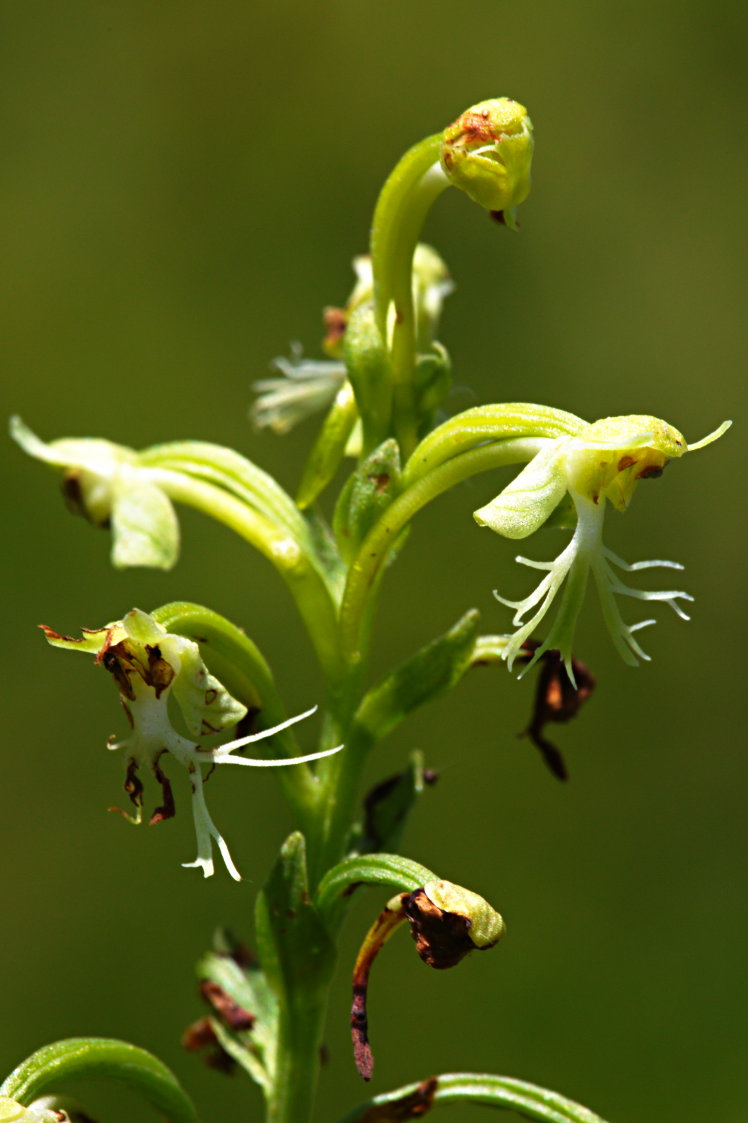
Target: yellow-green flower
[(603, 463)]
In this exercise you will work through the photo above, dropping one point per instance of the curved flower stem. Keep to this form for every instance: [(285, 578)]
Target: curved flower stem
[(366, 567), (306, 585), (232, 471), (405, 200), (488, 423)]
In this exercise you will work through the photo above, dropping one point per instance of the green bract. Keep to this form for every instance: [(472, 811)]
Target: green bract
[(605, 462)]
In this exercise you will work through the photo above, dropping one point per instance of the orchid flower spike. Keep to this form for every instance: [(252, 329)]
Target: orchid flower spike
[(150, 665), (603, 463)]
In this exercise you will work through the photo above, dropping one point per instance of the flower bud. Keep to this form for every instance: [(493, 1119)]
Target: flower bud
[(447, 922), (487, 153)]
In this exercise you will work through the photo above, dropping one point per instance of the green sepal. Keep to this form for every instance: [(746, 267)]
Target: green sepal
[(391, 870), (366, 495), (54, 1066), (244, 982), (295, 949), (432, 671), (387, 808), (502, 1092), (369, 371), (329, 448)]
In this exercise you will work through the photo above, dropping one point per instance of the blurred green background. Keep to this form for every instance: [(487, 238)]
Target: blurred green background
[(184, 186)]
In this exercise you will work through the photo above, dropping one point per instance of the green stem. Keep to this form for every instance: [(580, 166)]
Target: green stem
[(298, 1065), (405, 200), (305, 583), (367, 565), (339, 777)]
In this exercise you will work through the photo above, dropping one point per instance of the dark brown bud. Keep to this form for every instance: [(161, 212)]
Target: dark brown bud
[(447, 922)]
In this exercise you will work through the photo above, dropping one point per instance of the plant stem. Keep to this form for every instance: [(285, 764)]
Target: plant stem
[(298, 1064), (405, 200)]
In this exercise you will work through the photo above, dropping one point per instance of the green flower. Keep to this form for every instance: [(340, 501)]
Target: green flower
[(603, 463), (150, 665), (107, 484)]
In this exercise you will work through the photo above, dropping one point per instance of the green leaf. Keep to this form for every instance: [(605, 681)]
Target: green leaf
[(432, 671), (54, 1066), (391, 870), (295, 949), (502, 1092), (368, 492), (329, 448)]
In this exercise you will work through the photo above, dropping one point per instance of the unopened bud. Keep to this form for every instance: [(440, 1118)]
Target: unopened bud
[(447, 922), (487, 153)]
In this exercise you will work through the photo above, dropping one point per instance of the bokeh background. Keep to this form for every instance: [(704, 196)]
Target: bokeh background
[(183, 188)]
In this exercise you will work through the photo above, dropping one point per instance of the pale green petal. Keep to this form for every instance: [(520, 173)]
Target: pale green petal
[(525, 504), (145, 530)]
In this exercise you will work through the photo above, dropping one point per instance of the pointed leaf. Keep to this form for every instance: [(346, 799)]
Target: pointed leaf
[(427, 674)]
